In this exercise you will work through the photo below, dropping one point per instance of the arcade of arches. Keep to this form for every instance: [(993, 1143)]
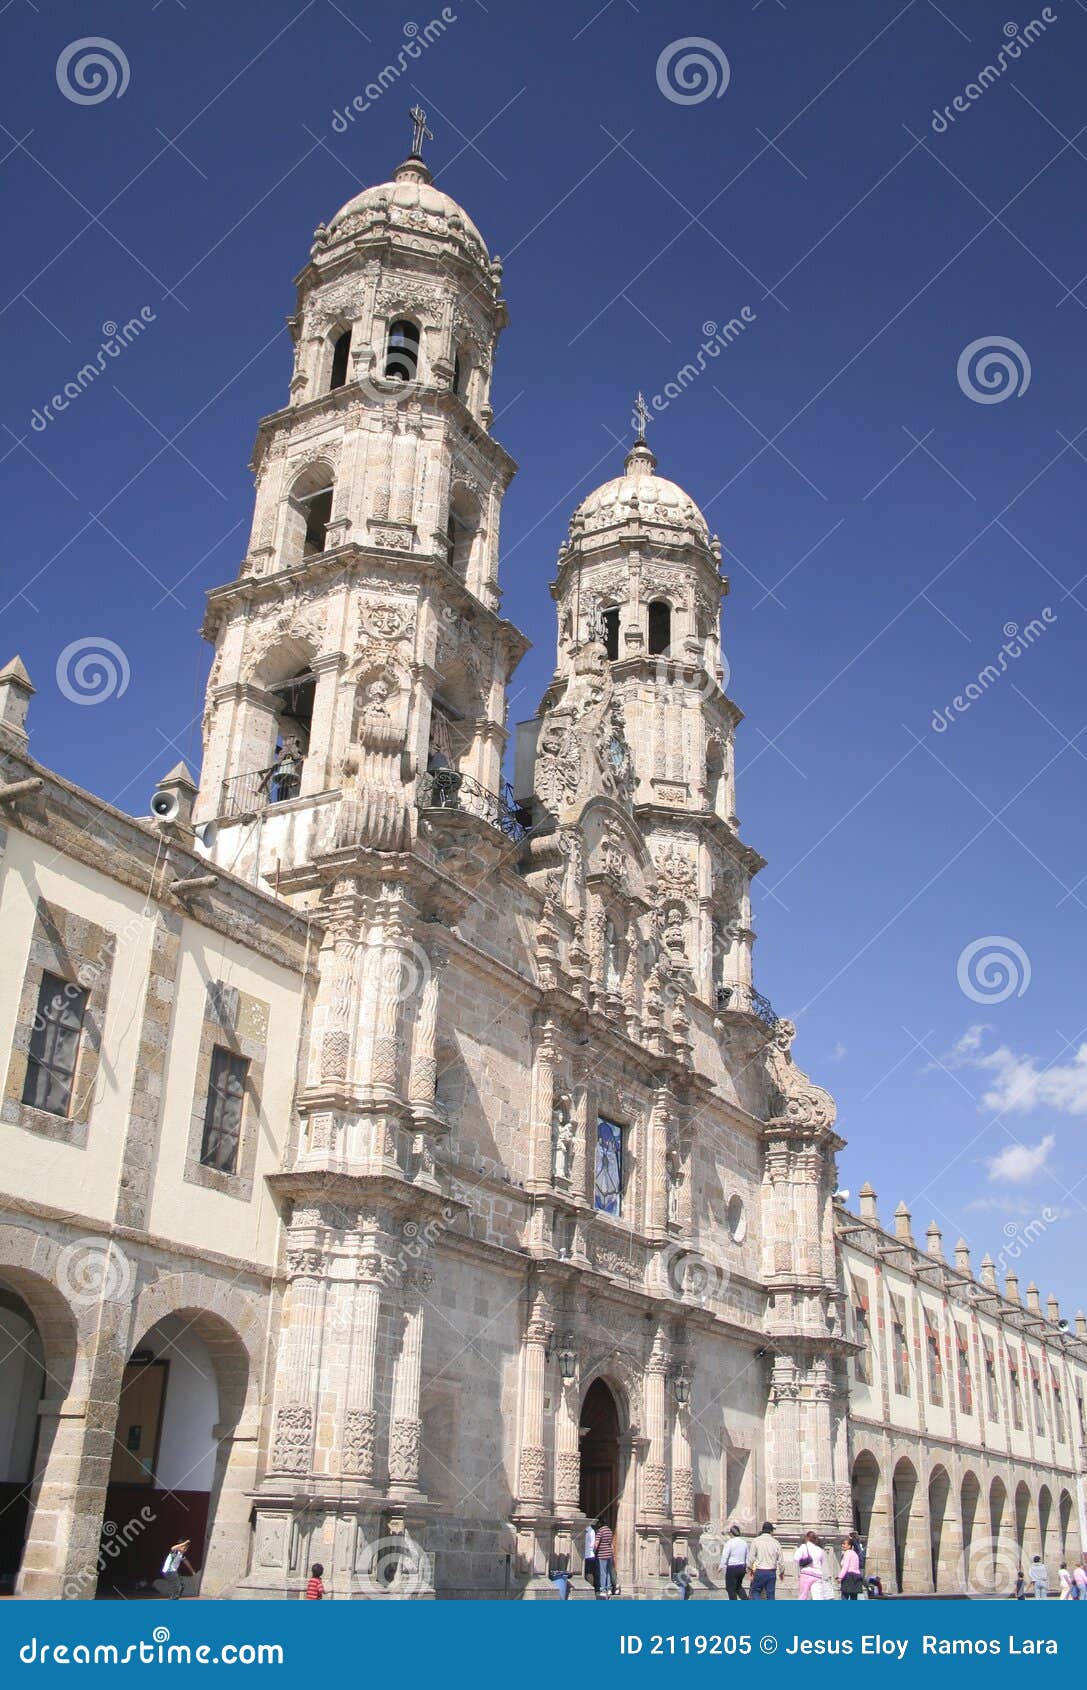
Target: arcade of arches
[(949, 1525)]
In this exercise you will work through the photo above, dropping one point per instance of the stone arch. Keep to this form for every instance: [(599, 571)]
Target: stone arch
[(307, 511), (615, 1378), (1045, 1519), (910, 1546), (999, 1575), (464, 526), (871, 1516), (1064, 1522), (969, 1502), (230, 1323), (1022, 1518), (941, 1555), (76, 1293)]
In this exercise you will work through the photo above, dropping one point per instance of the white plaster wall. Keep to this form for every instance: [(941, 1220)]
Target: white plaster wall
[(84, 1181), (186, 1448)]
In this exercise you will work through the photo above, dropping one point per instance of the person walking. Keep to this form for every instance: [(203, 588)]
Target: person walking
[(734, 1561), (1079, 1579), (809, 1566), (1020, 1586), (605, 1560), (1068, 1584), (1039, 1578), (176, 1559), (315, 1584), (767, 1563), (592, 1566), (850, 1576)]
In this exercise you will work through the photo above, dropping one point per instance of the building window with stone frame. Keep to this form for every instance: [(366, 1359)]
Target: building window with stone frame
[(53, 1055), (608, 1176), (966, 1384), (935, 1362), (1016, 1393), (992, 1393), (862, 1333), (1036, 1397), (1058, 1406), (341, 353), (402, 351), (224, 1111), (900, 1348), (660, 627)]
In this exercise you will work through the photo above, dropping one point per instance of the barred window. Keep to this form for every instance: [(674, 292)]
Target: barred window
[(900, 1348), (54, 1045), (224, 1110), (935, 1365), (862, 1361), (966, 1387), (991, 1392)]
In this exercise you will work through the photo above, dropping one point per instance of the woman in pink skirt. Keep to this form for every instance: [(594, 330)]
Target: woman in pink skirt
[(809, 1565)]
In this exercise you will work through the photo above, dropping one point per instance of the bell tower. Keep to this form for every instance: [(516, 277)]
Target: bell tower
[(638, 592), (360, 645)]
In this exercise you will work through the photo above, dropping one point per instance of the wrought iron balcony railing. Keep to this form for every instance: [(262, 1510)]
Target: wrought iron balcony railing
[(747, 1000), (249, 794), (447, 789)]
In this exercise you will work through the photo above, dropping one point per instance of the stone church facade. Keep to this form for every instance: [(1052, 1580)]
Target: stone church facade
[(402, 1169)]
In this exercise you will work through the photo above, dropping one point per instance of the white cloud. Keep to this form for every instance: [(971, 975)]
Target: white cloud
[(837, 1053), (1018, 1163), (1017, 1206), (1018, 1086)]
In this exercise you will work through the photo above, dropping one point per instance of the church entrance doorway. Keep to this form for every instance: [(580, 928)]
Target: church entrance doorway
[(600, 1476)]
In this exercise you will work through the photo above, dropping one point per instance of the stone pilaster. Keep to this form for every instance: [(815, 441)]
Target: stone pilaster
[(532, 1453), (656, 1485), (296, 1383), (405, 1425), (360, 1416)]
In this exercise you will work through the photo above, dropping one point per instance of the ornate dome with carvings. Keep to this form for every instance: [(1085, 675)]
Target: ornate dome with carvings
[(639, 495), (411, 206)]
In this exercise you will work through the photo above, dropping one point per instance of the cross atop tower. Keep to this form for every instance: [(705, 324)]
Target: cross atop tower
[(420, 132), (641, 418)]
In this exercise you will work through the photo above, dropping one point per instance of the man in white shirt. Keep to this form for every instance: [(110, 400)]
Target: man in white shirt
[(592, 1571), (734, 1564)]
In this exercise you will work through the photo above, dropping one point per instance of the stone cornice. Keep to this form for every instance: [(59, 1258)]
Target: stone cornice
[(73, 822)]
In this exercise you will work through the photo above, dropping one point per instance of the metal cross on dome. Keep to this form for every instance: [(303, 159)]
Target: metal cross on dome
[(420, 132), (641, 415)]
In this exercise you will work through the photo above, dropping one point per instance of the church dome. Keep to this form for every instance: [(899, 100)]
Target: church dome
[(640, 495), (412, 205)]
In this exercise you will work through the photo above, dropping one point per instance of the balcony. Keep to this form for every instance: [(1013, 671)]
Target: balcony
[(249, 794), (745, 1000), (447, 789)]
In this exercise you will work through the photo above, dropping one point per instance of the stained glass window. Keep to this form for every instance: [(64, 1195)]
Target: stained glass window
[(608, 1192)]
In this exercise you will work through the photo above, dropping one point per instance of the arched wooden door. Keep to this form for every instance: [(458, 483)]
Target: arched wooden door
[(600, 1479)]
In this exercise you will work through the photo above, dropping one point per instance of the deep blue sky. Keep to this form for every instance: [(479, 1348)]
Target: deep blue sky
[(865, 595)]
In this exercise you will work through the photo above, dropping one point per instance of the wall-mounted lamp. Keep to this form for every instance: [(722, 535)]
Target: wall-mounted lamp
[(681, 1385), (568, 1360)]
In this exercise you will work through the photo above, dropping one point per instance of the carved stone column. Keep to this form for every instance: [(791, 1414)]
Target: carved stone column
[(423, 1073), (682, 1468), (292, 1443), (656, 1490), (657, 1203), (542, 1108), (360, 1417), (405, 1425), (568, 1440), (403, 491), (383, 490), (532, 1455)]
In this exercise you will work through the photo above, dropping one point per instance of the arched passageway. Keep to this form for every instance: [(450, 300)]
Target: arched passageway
[(600, 1469), (911, 1556), (22, 1386), (941, 1529)]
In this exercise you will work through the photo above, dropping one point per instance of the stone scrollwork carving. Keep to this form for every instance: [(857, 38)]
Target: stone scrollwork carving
[(293, 1434), (793, 1096), (359, 1438)]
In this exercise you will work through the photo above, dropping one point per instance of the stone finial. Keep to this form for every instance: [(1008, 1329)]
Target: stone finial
[(1081, 1324), (1034, 1300), (903, 1224), (1053, 1309), (988, 1272), (867, 1196), (1011, 1286), (962, 1256), (177, 788), (934, 1241), (16, 691)]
